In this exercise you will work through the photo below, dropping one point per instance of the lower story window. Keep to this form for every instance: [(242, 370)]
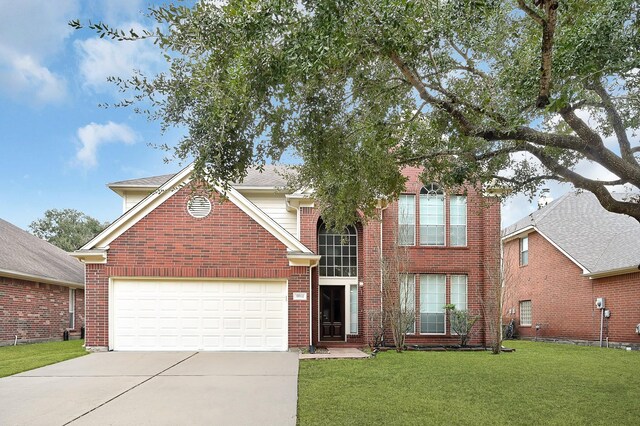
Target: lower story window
[(353, 309), (432, 300), (408, 300), (72, 307), (459, 293), (525, 312)]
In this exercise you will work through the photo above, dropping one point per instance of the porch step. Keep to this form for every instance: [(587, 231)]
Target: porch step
[(334, 352)]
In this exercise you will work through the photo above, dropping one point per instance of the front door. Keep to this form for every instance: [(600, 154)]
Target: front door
[(332, 312)]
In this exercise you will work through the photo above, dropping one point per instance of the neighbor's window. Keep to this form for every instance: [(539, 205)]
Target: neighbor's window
[(339, 252), (458, 220), (408, 298), (72, 307), (432, 301), (432, 227), (407, 220), (524, 251), (353, 309), (525, 312)]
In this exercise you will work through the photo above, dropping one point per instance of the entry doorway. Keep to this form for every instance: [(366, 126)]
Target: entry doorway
[(332, 312)]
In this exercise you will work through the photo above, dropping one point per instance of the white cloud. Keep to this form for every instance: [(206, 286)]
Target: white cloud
[(31, 32), (23, 77), (35, 27), (93, 135), (115, 11), (101, 58)]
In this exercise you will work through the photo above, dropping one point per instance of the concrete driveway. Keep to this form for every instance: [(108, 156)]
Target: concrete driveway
[(156, 388)]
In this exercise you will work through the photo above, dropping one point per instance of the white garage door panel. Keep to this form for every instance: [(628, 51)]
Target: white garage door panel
[(185, 315)]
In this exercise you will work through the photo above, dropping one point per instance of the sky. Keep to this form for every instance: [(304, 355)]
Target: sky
[(59, 147)]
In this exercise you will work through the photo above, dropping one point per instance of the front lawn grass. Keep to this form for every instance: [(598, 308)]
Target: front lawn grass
[(16, 359), (540, 383)]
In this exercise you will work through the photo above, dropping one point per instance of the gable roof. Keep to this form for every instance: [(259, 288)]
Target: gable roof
[(600, 242), (26, 256), (95, 250), (271, 176)]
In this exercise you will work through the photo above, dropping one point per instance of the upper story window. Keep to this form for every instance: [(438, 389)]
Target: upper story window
[(407, 220), (458, 220), (433, 218), (524, 251), (432, 224), (339, 252)]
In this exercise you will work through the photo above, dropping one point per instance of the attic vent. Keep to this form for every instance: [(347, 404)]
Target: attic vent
[(199, 207)]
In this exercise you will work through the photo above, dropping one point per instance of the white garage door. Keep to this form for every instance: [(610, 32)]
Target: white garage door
[(198, 316)]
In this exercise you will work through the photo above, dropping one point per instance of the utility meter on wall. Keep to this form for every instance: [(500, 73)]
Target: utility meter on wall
[(600, 303)]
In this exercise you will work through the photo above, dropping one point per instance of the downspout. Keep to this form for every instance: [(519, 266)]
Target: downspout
[(311, 347), (383, 207)]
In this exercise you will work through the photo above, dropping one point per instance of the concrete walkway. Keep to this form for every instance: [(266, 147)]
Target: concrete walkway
[(334, 353), (155, 388)]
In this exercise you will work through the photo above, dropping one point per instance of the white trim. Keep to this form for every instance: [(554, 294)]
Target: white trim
[(91, 256), (612, 272), (178, 181), (40, 279), (584, 270), (303, 259), (111, 314), (72, 312), (346, 283), (518, 234)]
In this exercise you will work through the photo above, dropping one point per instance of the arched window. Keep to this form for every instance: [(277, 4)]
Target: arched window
[(432, 224), (339, 252)]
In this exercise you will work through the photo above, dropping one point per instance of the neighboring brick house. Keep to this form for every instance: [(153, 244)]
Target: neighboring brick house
[(41, 289), (260, 271), (561, 259)]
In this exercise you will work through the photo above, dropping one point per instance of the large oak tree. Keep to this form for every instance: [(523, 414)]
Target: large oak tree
[(509, 92)]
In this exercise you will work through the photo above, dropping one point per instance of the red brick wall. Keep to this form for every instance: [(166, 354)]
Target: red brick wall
[(36, 311), (482, 251), (298, 309), (483, 231), (563, 301), (168, 242)]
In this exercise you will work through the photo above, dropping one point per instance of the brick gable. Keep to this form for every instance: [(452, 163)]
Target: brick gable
[(169, 242)]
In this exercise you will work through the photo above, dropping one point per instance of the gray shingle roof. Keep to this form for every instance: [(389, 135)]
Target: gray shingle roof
[(596, 238), (271, 176), (150, 182), (26, 254)]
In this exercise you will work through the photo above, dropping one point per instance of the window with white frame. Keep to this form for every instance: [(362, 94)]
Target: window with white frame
[(432, 224), (72, 308), (339, 252), (458, 220), (432, 300), (524, 251), (408, 299), (459, 293), (525, 312), (407, 220), (353, 309)]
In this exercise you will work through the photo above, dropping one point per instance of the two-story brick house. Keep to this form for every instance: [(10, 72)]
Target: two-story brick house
[(260, 271)]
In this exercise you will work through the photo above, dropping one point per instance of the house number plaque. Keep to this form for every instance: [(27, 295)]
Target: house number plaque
[(299, 296)]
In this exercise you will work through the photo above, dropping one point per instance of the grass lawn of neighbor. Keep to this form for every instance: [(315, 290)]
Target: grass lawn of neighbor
[(16, 359), (539, 383)]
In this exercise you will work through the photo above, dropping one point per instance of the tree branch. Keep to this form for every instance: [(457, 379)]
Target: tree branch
[(596, 187), (532, 179), (532, 13), (615, 120)]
